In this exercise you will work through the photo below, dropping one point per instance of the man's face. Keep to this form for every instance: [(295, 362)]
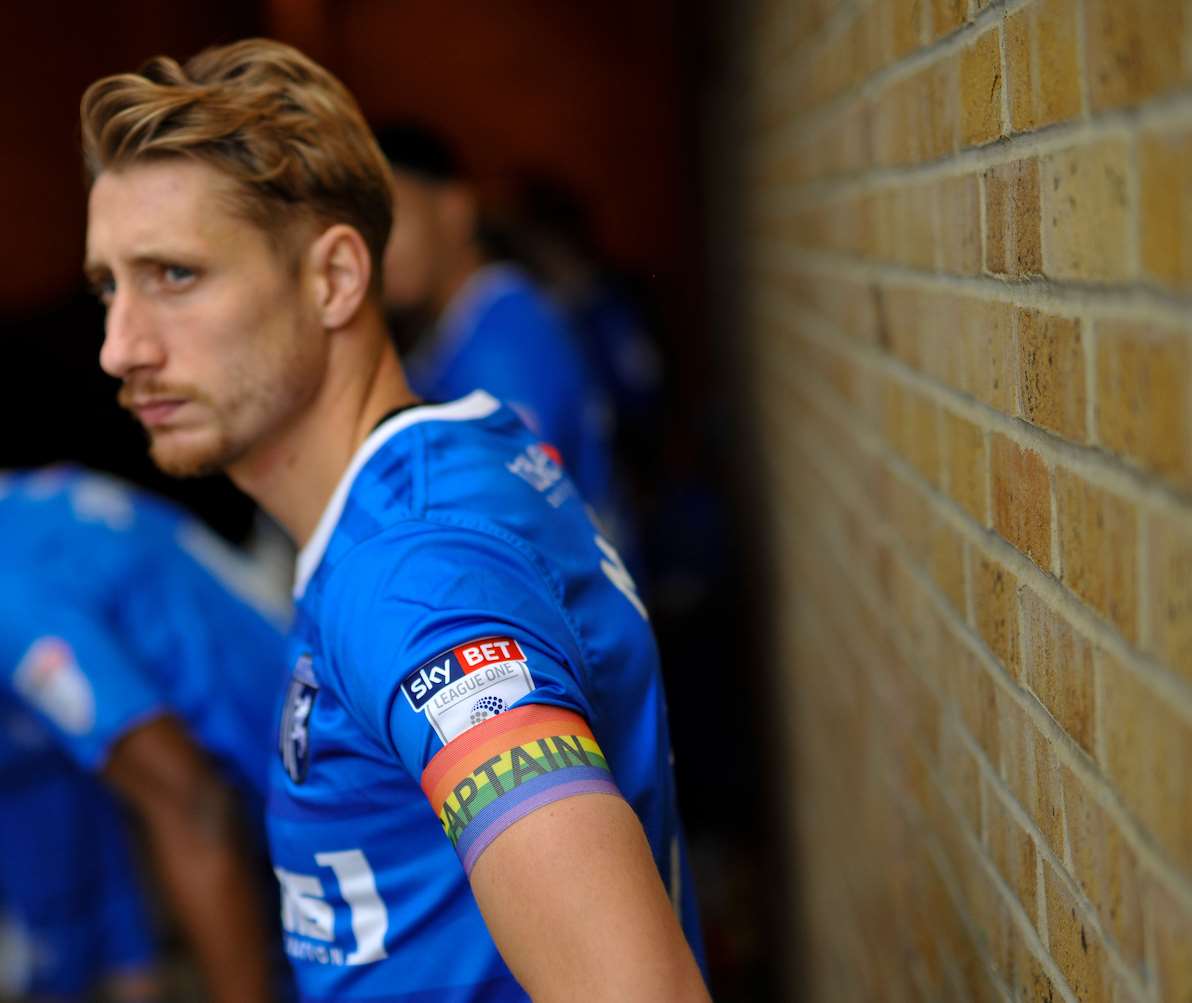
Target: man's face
[(212, 332), (415, 254)]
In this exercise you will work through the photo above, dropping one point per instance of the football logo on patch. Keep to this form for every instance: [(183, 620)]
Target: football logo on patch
[(468, 684), (487, 707), (294, 734)]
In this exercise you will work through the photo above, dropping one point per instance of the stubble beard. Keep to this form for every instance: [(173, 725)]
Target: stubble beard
[(192, 460), (192, 451)]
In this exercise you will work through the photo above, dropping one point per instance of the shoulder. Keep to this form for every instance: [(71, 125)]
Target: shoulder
[(420, 558)]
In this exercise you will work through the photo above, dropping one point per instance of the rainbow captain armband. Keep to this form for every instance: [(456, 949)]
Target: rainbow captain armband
[(501, 770)]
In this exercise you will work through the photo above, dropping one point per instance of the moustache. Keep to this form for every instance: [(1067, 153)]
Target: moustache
[(131, 394)]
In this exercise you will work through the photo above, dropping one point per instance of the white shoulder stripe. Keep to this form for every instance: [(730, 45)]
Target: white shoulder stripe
[(478, 404)]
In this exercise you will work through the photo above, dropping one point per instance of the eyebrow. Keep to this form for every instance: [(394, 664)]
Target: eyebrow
[(93, 268)]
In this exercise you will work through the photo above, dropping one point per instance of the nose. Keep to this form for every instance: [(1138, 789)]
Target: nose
[(131, 341)]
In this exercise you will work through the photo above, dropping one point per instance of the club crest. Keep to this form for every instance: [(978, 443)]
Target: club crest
[(294, 735)]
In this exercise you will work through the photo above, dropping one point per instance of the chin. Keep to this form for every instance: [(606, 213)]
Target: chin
[(175, 456)]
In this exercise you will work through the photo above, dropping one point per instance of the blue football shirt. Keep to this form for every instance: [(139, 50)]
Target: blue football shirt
[(115, 607), (71, 909), (466, 648), (503, 335)]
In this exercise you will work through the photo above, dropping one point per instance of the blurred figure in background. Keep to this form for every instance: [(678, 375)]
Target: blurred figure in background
[(485, 324), (73, 916), (552, 232), (140, 642)]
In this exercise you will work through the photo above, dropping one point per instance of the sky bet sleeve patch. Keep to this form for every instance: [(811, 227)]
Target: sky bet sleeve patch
[(509, 766), (472, 682)]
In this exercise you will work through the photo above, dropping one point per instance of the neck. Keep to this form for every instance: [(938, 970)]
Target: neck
[(293, 473)]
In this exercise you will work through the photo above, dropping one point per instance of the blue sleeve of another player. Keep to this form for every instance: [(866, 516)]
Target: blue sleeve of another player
[(73, 673), (441, 628)]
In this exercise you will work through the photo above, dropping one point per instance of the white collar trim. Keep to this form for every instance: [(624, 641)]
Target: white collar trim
[(477, 404)]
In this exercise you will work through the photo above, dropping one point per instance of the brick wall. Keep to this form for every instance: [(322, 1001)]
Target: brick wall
[(966, 283)]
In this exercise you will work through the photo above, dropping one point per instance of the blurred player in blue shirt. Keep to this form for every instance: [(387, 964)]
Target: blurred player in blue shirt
[(490, 326), (72, 913), (123, 635), (472, 796)]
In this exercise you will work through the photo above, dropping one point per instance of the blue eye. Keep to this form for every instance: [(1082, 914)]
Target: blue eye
[(104, 289), (177, 274)]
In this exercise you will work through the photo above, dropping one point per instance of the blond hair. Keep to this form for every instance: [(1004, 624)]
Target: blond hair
[(285, 130)]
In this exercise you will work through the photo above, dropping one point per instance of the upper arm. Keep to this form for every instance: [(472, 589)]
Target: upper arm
[(160, 770), (522, 789), (568, 889)]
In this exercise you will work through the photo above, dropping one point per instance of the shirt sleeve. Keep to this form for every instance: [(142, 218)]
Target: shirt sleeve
[(70, 671), (452, 653)]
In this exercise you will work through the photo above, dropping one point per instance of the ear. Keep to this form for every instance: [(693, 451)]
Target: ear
[(340, 266)]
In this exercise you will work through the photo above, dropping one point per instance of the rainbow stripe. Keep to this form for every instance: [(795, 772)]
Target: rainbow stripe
[(505, 768)]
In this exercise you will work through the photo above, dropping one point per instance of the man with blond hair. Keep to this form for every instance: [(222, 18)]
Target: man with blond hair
[(463, 635)]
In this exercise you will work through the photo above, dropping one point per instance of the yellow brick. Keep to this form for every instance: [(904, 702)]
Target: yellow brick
[(1047, 797), (1028, 981), (959, 212), (1099, 549), (943, 109), (876, 36), (1144, 395), (947, 564), (1012, 214), (962, 778), (975, 695), (1104, 866), (964, 456), (1029, 770), (1166, 206), (1074, 945), (947, 16), (981, 90), (924, 454), (897, 129), (913, 212), (905, 26), (911, 520), (855, 138), (1051, 373), (878, 214), (1012, 850), (1058, 667), (1133, 50), (1172, 926), (995, 609), (1021, 494), (1170, 570), (901, 324), (1086, 212), (1042, 64), (1148, 757), (990, 364)]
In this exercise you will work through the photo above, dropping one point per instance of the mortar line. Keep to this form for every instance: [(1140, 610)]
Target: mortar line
[(1044, 852), (1106, 470), (1137, 300), (1162, 680), (1006, 894), (1166, 112), (1150, 856), (921, 58)]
